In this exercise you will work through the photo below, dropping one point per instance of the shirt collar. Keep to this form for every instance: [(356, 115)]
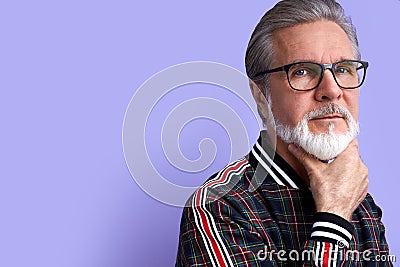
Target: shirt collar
[(267, 162)]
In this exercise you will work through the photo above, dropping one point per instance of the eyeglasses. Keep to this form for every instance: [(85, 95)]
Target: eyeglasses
[(305, 76)]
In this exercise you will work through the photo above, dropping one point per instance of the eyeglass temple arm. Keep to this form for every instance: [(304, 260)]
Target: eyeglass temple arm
[(261, 75)]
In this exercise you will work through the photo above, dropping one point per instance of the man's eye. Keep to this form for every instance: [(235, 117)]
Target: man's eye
[(300, 72), (342, 70)]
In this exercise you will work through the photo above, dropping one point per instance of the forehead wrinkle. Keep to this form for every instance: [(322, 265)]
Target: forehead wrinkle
[(289, 48)]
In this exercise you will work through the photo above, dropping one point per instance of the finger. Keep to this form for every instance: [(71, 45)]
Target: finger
[(306, 159)]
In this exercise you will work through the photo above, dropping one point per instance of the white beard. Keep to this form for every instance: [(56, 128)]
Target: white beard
[(324, 146)]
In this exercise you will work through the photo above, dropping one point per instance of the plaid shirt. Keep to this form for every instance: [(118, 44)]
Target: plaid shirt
[(258, 212)]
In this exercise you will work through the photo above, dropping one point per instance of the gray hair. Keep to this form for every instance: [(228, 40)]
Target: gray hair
[(287, 13)]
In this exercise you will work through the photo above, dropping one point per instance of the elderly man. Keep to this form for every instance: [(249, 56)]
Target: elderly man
[(299, 198)]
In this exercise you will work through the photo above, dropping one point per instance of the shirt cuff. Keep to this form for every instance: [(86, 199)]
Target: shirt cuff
[(329, 227)]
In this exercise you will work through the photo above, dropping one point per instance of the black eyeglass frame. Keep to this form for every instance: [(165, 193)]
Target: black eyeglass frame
[(324, 67)]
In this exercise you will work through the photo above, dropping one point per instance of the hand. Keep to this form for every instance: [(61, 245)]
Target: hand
[(338, 187)]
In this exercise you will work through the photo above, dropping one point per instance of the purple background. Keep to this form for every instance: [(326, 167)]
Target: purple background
[(68, 70)]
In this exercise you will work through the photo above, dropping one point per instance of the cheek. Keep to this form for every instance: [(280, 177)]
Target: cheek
[(289, 113), (352, 104), (354, 113), (288, 106)]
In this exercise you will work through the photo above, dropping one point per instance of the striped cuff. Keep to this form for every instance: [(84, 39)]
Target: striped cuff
[(329, 227)]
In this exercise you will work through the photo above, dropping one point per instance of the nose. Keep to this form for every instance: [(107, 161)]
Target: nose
[(328, 89)]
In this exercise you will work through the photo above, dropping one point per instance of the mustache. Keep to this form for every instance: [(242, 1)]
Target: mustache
[(327, 109)]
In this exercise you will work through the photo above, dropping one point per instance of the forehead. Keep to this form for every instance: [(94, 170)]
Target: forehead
[(320, 41)]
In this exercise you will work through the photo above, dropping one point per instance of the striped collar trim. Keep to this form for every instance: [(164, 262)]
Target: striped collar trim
[(265, 161)]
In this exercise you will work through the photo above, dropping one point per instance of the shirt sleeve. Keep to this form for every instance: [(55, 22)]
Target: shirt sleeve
[(329, 241), (214, 233)]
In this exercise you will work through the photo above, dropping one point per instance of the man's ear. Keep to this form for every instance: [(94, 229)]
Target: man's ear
[(260, 98)]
